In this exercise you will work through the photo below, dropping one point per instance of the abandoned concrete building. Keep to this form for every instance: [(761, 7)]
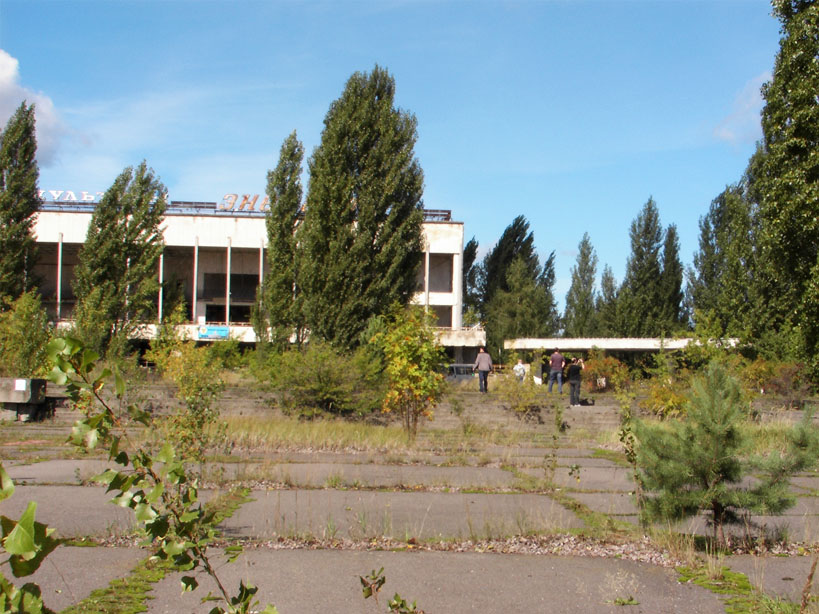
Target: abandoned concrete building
[(215, 257)]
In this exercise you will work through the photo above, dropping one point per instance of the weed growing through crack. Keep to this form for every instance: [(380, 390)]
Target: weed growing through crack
[(334, 480), (619, 588), (330, 528)]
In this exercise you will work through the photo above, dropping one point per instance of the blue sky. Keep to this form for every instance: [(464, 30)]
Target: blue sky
[(571, 113)]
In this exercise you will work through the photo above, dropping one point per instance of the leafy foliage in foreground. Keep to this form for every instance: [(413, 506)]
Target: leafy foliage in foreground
[(157, 487), (27, 543)]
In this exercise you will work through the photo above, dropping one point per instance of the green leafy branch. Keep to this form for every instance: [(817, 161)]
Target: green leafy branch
[(157, 486)]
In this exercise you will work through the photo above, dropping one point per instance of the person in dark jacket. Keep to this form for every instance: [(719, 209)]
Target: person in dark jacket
[(483, 365), (573, 374)]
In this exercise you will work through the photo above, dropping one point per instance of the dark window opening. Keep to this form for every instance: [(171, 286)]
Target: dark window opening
[(440, 272), (242, 286), (443, 316), (215, 313), (240, 313)]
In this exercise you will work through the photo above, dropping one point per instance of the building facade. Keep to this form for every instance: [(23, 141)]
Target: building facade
[(215, 258)]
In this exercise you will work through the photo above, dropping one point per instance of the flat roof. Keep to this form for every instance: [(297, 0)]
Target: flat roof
[(622, 344)]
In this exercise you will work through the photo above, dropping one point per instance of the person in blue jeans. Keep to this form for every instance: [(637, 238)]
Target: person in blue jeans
[(556, 364), (483, 365)]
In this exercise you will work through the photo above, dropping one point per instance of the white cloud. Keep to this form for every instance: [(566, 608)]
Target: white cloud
[(50, 128), (742, 125)]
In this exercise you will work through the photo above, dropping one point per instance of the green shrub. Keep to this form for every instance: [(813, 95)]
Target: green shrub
[(199, 385), (24, 335), (701, 462), (319, 379), (666, 389), (790, 381), (227, 354), (785, 379), (757, 375), (664, 397), (413, 365), (197, 376), (524, 398)]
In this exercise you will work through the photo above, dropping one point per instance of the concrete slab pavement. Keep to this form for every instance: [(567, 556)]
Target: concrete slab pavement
[(58, 471), (308, 581), (316, 475), (608, 479), (361, 514), (69, 574), (777, 576), (75, 511)]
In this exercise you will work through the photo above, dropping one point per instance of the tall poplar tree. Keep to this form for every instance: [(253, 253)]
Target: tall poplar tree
[(280, 295), (606, 317), (546, 280), (517, 241), (504, 303), (361, 237), (469, 291), (579, 317), (671, 281), (521, 311), (723, 265), (116, 281), (19, 203), (640, 297), (786, 180)]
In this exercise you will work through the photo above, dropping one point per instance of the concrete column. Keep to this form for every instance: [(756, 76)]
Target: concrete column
[(227, 285), (195, 277), (458, 290), (161, 281), (59, 276), (426, 278), (261, 263)]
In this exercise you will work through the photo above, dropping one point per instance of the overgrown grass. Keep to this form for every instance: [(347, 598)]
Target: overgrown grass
[(615, 456), (272, 433), (767, 437), (740, 596), (127, 595), (472, 436)]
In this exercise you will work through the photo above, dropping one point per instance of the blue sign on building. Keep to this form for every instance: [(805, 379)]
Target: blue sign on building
[(213, 332)]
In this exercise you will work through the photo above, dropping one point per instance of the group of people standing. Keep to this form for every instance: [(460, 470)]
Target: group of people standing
[(557, 363)]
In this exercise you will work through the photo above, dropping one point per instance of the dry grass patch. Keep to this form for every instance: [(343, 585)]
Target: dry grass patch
[(274, 433)]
